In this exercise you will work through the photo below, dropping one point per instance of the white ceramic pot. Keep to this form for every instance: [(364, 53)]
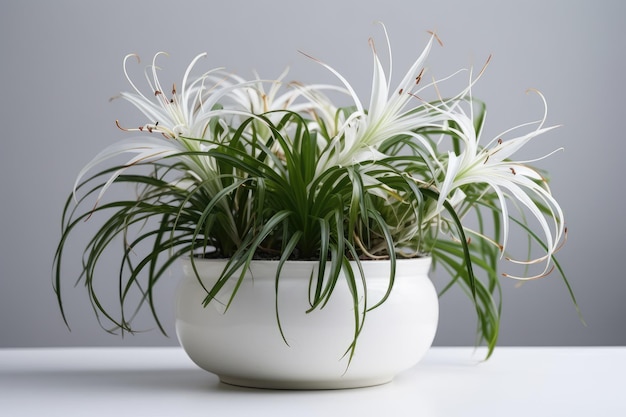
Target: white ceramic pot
[(243, 345)]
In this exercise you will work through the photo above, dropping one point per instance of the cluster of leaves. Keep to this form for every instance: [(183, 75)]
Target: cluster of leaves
[(246, 174)]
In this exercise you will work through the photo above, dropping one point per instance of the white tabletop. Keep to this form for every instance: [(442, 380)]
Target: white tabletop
[(448, 382)]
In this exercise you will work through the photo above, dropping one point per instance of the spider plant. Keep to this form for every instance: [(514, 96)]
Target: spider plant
[(257, 169)]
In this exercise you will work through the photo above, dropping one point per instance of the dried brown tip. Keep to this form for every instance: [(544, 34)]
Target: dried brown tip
[(117, 123), (436, 37)]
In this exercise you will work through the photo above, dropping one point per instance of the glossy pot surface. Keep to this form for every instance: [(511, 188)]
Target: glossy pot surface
[(243, 345)]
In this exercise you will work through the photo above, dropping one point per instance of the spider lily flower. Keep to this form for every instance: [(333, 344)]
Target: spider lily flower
[(327, 117), (256, 99), (272, 104), (510, 180), (179, 114), (182, 120), (389, 114), (185, 113)]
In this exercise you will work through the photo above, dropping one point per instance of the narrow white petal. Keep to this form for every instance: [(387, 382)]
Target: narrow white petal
[(380, 92), (454, 164)]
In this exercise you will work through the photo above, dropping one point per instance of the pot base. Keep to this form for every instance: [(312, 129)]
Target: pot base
[(331, 384)]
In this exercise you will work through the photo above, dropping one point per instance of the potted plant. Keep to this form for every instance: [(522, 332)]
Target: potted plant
[(247, 179)]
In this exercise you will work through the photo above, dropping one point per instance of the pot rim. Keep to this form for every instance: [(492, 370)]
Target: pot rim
[(420, 258), (403, 265)]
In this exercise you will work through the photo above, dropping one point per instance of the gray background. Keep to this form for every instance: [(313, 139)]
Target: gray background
[(61, 61)]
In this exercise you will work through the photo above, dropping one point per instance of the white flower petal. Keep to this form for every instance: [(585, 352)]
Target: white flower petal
[(145, 149)]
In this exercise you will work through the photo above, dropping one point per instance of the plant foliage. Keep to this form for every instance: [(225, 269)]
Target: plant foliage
[(255, 169)]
